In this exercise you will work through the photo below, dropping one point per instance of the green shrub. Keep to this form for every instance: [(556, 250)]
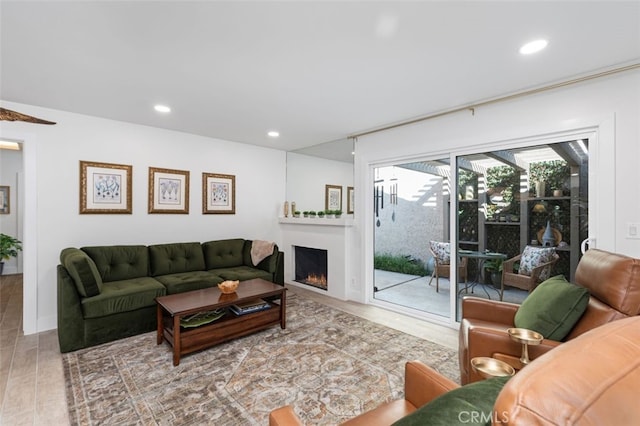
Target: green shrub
[(402, 264)]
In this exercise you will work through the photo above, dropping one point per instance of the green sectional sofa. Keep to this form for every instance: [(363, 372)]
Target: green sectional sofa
[(106, 293)]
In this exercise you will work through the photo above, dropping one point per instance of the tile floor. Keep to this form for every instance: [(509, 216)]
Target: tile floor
[(32, 390)]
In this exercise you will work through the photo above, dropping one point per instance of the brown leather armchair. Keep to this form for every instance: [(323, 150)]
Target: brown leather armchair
[(613, 281), (575, 384)]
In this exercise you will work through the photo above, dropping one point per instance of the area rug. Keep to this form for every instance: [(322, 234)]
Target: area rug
[(328, 364)]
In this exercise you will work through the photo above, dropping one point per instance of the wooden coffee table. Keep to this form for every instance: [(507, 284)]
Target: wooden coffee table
[(174, 307)]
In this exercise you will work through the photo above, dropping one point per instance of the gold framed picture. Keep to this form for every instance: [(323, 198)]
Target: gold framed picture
[(350, 199), (168, 191), (218, 193), (332, 197), (105, 188)]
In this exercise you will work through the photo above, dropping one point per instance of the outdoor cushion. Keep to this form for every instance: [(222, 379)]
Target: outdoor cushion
[(241, 273), (532, 257), (116, 263), (123, 296), (175, 258), (83, 271), (223, 253), (187, 281), (553, 308), (442, 251), (470, 404)]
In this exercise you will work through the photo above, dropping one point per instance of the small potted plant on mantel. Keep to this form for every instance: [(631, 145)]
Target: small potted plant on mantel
[(9, 247), (305, 213), (296, 213), (328, 214), (312, 214), (321, 214), (337, 214)]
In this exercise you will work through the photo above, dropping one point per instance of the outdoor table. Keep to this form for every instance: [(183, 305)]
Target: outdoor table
[(480, 257)]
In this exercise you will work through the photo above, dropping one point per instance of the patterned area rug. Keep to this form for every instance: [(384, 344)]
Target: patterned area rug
[(328, 364)]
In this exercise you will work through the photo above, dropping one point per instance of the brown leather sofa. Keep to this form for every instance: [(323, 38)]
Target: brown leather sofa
[(613, 281), (591, 380)]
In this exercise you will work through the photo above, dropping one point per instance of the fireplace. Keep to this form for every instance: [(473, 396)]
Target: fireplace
[(311, 267)]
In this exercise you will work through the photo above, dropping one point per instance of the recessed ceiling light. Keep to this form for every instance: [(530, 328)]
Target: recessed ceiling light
[(533, 46), (273, 134), (162, 108)]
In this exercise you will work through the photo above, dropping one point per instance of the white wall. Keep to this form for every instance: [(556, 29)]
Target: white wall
[(307, 177), (10, 224), (607, 109), (260, 190)]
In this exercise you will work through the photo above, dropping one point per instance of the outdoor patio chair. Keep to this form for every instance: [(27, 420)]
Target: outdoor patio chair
[(441, 253), (536, 264)]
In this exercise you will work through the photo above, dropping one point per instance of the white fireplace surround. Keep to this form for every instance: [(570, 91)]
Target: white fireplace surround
[(332, 235)]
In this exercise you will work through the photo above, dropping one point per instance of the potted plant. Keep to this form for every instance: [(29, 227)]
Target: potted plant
[(337, 213), (9, 247), (494, 268), (321, 214), (329, 214), (312, 214), (305, 213), (296, 213)]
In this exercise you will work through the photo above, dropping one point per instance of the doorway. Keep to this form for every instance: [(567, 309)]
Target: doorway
[(496, 210)]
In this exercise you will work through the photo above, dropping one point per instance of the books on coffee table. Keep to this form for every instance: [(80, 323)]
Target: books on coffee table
[(250, 306)]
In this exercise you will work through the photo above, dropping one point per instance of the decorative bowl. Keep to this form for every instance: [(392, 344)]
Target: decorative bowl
[(228, 287), (491, 367)]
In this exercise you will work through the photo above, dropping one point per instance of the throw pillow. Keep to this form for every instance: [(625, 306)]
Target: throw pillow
[(470, 404), (442, 252), (532, 257), (553, 308), (83, 271)]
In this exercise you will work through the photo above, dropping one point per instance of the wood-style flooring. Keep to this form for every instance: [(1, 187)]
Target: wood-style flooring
[(32, 390)]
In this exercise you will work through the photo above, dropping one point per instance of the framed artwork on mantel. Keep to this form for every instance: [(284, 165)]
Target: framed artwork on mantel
[(350, 199), (168, 191), (5, 203), (105, 188), (218, 193), (332, 197)]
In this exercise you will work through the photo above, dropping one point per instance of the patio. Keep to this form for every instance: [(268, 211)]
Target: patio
[(414, 292)]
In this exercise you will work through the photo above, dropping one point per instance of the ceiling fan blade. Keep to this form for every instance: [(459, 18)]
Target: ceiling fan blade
[(8, 115)]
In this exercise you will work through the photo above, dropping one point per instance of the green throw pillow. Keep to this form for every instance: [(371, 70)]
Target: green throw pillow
[(471, 404), (553, 308), (83, 271)]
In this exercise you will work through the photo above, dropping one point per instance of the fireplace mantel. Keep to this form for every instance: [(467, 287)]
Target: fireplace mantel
[(343, 221), (332, 235)]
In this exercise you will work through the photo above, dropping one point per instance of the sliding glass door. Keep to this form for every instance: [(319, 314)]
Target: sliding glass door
[(520, 209), (500, 205), (411, 204)]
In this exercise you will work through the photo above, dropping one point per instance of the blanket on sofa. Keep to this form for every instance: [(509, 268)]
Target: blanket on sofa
[(260, 250)]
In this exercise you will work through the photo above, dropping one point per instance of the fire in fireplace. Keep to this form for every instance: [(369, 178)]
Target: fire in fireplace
[(311, 266)]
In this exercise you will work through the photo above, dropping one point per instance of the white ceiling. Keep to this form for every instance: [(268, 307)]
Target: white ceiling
[(316, 71)]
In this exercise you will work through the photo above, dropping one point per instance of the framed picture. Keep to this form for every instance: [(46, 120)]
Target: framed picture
[(218, 194), (105, 188), (5, 202), (168, 191), (332, 197), (350, 199)]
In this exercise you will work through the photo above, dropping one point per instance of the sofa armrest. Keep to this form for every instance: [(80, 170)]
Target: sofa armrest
[(278, 275), (489, 310), (423, 384), (70, 316)]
